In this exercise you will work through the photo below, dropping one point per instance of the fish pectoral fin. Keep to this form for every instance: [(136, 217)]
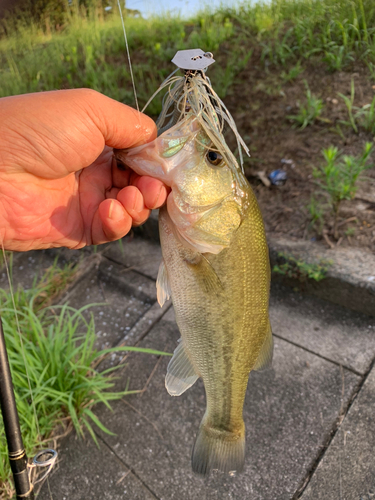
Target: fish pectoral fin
[(163, 290), (206, 274), (264, 359), (180, 372)]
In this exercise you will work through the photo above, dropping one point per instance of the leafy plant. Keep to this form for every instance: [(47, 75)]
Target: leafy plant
[(54, 280), (316, 212), (55, 351), (293, 73), (308, 113), (294, 268), (339, 176), (371, 68), (366, 116), (224, 76), (337, 57), (280, 51), (349, 103)]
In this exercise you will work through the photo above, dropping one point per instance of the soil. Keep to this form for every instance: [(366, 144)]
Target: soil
[(260, 101)]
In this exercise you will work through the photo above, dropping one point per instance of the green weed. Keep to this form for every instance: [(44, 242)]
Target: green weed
[(359, 116), (8, 256), (87, 47), (280, 50), (366, 116), (54, 280), (349, 103), (293, 73), (307, 113), (337, 57), (339, 176), (316, 214), (294, 268), (56, 351), (224, 76), (371, 68)]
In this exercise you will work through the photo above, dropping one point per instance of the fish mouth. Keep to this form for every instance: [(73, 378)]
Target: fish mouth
[(153, 158), (143, 160)]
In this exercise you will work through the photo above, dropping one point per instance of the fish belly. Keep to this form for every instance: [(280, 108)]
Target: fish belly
[(221, 306)]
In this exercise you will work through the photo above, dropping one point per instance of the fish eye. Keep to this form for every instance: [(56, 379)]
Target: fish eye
[(214, 158)]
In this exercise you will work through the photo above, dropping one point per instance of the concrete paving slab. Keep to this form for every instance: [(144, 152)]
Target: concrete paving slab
[(136, 334), (350, 280), (104, 476), (347, 470), (127, 281), (124, 297), (343, 336), (138, 253), (26, 267), (289, 413)]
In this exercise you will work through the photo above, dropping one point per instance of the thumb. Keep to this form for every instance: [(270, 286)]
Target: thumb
[(62, 131), (121, 126)]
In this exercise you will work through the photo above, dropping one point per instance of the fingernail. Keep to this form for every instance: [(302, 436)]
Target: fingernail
[(115, 212), (157, 199), (138, 203), (111, 207)]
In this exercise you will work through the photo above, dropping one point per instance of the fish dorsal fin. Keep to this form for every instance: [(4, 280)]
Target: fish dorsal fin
[(180, 372), (264, 360), (163, 290)]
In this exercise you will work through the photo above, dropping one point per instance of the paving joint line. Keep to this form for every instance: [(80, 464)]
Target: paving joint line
[(131, 268), (85, 267), (121, 342), (155, 323), (132, 471), (320, 355), (335, 428)]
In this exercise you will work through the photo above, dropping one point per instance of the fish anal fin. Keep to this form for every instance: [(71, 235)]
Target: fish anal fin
[(180, 372), (264, 359), (163, 291)]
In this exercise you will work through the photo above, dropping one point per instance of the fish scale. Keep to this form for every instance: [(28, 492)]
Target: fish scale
[(215, 264)]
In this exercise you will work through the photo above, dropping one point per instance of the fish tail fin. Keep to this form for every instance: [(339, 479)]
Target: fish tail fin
[(216, 449)]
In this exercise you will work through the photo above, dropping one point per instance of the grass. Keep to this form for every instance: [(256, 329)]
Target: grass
[(309, 112), (363, 117), (87, 50), (349, 103), (292, 73), (366, 116), (90, 52), (316, 214), (56, 352)]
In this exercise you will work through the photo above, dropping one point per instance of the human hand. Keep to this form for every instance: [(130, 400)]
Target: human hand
[(59, 185)]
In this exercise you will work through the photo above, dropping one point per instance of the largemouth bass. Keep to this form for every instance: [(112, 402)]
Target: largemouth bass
[(215, 267)]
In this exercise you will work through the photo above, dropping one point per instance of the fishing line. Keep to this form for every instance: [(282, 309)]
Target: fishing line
[(128, 53), (20, 338)]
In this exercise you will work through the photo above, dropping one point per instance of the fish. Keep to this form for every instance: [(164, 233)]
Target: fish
[(215, 264)]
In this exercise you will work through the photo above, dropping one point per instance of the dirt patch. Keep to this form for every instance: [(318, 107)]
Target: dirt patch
[(260, 101)]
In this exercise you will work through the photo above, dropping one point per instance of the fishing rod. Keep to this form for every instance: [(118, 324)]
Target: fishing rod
[(16, 450)]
